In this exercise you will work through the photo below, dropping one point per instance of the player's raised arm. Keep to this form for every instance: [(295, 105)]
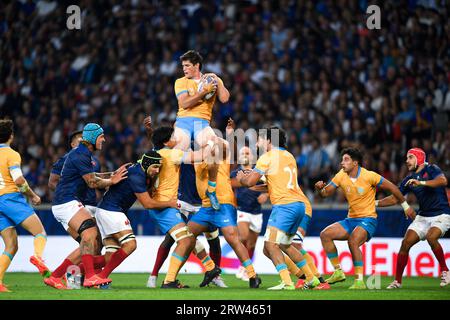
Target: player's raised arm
[(325, 190), (396, 193), (149, 203), (148, 127)]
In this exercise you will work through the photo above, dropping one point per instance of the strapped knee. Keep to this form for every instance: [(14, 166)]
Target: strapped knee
[(127, 238), (181, 233), (278, 236), (111, 248), (212, 235), (199, 247), (86, 224)]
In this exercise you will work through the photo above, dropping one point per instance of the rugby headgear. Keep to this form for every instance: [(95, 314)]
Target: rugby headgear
[(91, 132), (419, 154), (149, 158)]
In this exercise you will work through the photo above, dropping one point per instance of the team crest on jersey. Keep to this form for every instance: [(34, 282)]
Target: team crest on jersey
[(127, 222), (191, 91), (360, 190), (425, 175)]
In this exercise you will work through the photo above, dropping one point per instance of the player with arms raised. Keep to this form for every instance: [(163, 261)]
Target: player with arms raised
[(359, 187), (428, 183), (195, 111)]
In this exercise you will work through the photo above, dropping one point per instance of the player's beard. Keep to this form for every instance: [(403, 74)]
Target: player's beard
[(246, 161)]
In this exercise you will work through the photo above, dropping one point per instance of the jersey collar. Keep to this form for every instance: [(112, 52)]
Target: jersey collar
[(358, 173), (3, 145)]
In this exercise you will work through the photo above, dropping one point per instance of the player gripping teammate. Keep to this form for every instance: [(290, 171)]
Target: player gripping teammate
[(115, 228), (14, 210), (189, 204), (359, 187), (289, 205), (166, 188), (427, 182), (195, 112), (207, 218), (78, 174)]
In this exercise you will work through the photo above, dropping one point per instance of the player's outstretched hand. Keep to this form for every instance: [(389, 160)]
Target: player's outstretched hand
[(230, 126), (148, 123), (35, 200), (410, 213), (241, 174), (412, 183), (320, 185), (119, 175), (124, 166)]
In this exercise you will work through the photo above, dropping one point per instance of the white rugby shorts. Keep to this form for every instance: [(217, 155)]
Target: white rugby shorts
[(421, 224), (110, 222), (255, 220)]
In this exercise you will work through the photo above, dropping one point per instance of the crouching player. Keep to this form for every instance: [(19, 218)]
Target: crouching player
[(189, 203), (289, 205), (359, 187), (115, 228)]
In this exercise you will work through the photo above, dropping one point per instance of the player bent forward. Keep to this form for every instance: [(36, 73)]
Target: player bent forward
[(359, 186)]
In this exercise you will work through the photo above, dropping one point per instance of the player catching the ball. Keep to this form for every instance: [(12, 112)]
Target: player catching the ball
[(195, 111)]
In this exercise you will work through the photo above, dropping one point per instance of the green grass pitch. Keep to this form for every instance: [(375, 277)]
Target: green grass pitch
[(131, 286)]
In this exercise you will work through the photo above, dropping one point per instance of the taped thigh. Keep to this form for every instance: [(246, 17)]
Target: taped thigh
[(181, 233), (278, 236)]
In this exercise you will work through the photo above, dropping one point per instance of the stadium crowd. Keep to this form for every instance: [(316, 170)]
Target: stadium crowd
[(311, 67)]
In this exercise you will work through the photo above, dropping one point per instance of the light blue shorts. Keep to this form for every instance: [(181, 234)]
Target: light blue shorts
[(191, 125), (368, 224), (14, 209), (166, 219), (287, 217), (226, 216)]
